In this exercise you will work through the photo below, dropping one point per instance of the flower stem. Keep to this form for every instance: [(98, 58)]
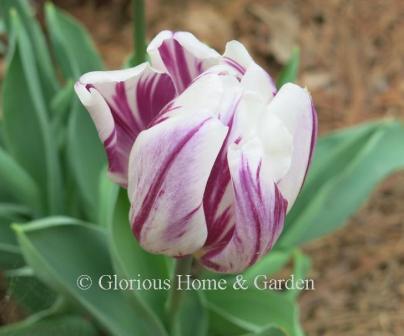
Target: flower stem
[(182, 267), (139, 32)]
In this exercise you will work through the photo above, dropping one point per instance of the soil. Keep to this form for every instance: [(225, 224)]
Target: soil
[(352, 55)]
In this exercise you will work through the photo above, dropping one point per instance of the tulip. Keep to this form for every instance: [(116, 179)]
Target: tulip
[(213, 157)]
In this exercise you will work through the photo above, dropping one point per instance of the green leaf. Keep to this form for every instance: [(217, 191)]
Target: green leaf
[(289, 72), (130, 260), (17, 184), (57, 325), (22, 287), (2, 24), (26, 127), (109, 192), (192, 317), (346, 169), (270, 264), (10, 255), (221, 325), (3, 48), (61, 105), (46, 72), (252, 310), (139, 32), (270, 331), (50, 246), (86, 157), (76, 54), (15, 209), (28, 292), (301, 267), (74, 50), (332, 154)]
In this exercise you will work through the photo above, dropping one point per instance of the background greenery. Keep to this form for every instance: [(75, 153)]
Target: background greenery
[(60, 217)]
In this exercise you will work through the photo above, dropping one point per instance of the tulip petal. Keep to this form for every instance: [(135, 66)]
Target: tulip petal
[(293, 106), (169, 167), (252, 76), (181, 55), (237, 56), (207, 85), (218, 197), (123, 103), (259, 211), (256, 79)]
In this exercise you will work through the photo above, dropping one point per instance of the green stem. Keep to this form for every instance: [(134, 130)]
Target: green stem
[(139, 32), (182, 267)]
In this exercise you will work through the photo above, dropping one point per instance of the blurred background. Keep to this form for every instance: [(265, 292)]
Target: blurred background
[(352, 55)]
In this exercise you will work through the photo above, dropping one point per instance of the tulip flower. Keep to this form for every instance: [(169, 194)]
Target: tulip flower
[(212, 155)]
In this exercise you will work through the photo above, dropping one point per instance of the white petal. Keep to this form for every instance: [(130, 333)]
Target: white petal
[(238, 52), (250, 113), (205, 93), (96, 77), (98, 109), (214, 94), (195, 47), (293, 106), (257, 80), (277, 144)]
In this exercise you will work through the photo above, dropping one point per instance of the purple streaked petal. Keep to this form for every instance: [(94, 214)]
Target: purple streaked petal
[(259, 213), (209, 93), (237, 57), (169, 167), (105, 124), (294, 107), (251, 75), (235, 65), (132, 98), (181, 55), (218, 197)]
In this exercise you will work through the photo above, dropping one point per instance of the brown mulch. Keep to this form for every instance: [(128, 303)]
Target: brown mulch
[(352, 55), (359, 271)]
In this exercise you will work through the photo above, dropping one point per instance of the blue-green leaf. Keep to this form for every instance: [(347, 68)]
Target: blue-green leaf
[(46, 72), (26, 127), (301, 267), (10, 254), (270, 264), (16, 184), (28, 292), (192, 317), (270, 331), (345, 171), (74, 50), (61, 105), (50, 247), (76, 54), (67, 325), (85, 156), (237, 312), (130, 260)]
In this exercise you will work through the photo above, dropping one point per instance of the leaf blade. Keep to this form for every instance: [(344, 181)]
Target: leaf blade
[(378, 154), (49, 246)]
